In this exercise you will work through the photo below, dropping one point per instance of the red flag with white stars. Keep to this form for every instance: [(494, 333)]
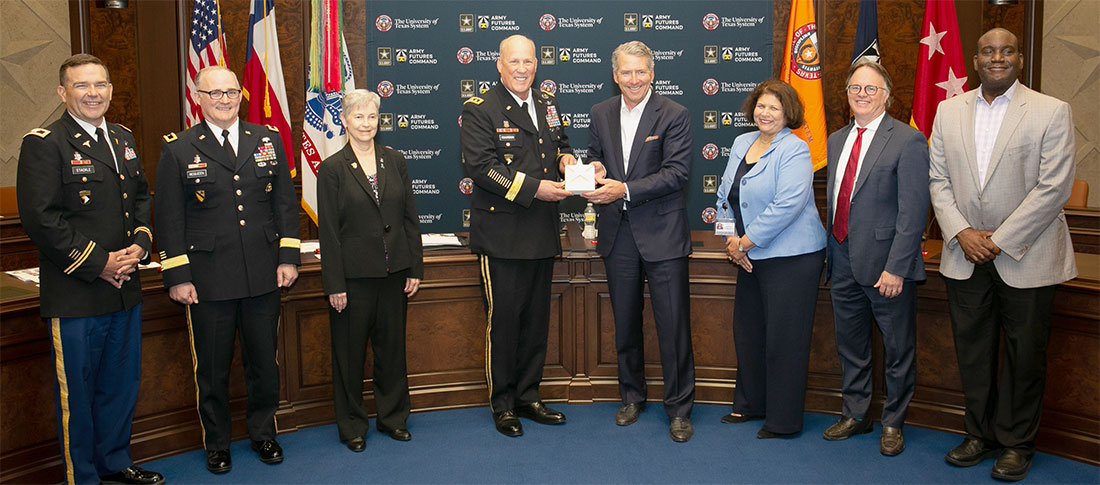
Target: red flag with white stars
[(941, 73)]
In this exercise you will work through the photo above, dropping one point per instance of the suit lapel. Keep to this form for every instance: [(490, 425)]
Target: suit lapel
[(616, 122), (512, 111), (208, 144), (878, 142), (382, 176), (116, 144), (833, 157), (967, 130), (1017, 108), (645, 127)]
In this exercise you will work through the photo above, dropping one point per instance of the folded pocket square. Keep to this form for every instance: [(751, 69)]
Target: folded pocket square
[(651, 138)]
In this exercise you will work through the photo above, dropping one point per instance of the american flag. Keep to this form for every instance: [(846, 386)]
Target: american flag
[(207, 48)]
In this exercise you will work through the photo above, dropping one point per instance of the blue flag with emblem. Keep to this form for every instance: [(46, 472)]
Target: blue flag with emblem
[(866, 42)]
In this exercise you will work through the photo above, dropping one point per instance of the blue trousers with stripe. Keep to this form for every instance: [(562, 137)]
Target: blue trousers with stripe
[(98, 367)]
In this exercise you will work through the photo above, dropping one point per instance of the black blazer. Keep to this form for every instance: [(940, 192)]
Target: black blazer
[(356, 229)]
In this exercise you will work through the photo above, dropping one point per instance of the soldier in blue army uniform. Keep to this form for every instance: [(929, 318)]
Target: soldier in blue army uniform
[(514, 148), (229, 240), (84, 202)]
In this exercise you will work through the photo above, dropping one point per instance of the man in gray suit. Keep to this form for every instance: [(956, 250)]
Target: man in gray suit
[(1002, 167), (877, 211)]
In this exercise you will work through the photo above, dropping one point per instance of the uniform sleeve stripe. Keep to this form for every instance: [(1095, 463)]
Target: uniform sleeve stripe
[(174, 262), (80, 259), (517, 183), (289, 242), (500, 179), (146, 230)]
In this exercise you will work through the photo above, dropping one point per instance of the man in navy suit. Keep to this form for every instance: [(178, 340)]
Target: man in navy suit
[(642, 142), (877, 211)]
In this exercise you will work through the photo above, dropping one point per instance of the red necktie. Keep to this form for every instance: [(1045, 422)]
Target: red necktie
[(844, 198)]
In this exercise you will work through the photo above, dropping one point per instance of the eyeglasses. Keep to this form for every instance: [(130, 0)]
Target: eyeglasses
[(217, 93), (854, 89)]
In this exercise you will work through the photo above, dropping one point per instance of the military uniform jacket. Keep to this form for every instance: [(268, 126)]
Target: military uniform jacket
[(227, 224), (507, 158), (77, 208)]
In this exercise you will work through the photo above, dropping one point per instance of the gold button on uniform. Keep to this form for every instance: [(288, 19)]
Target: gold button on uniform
[(127, 214), (239, 192), (544, 170), (242, 222), (240, 207), (83, 179), (236, 178), (492, 208), (540, 141), (121, 177), (124, 195), (543, 155), (127, 233)]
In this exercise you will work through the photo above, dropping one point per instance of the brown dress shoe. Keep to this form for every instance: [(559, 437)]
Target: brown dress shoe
[(892, 442), (680, 429), (847, 427), (970, 452), (628, 413)]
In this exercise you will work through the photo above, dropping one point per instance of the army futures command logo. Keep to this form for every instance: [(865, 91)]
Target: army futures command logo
[(465, 55), (548, 22), (710, 87), (383, 23), (466, 186), (711, 21)]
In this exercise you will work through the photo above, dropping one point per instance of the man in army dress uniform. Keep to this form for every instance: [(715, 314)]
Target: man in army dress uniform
[(84, 202), (229, 216), (514, 149)]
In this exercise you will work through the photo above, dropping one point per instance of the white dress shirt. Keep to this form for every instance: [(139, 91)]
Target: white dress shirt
[(842, 162), (234, 134), (530, 106), (629, 119), (987, 123), (90, 129)]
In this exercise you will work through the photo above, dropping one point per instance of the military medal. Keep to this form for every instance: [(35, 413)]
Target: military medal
[(79, 161), (552, 120), (265, 153), (129, 153)]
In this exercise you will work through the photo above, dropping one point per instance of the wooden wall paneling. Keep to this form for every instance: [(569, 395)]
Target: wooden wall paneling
[(159, 111), (113, 34)]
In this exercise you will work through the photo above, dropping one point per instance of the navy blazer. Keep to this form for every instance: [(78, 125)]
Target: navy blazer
[(889, 208), (660, 162)]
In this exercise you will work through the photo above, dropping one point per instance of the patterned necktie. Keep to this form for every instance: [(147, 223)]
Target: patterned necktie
[(228, 146), (844, 197)]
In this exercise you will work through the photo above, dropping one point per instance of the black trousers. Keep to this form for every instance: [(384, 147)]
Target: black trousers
[(669, 294), (854, 308), (376, 311), (214, 325), (773, 322), (517, 302), (983, 307)]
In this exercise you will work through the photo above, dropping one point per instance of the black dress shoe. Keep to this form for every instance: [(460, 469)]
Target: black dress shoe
[(539, 413), (1012, 465), (399, 434), (680, 429), (508, 424), (734, 418), (628, 413), (892, 441), (970, 452), (356, 444), (767, 435), (133, 475), (269, 450), (218, 461), (846, 427)]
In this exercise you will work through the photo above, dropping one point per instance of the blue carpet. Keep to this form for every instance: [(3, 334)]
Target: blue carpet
[(461, 446)]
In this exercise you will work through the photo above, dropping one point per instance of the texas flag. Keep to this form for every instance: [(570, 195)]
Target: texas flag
[(263, 74), (941, 73)]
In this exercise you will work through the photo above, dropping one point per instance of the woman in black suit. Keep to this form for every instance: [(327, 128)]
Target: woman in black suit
[(371, 263)]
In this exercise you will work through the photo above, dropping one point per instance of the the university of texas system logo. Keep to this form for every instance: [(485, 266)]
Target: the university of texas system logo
[(805, 61), (383, 23), (548, 22)]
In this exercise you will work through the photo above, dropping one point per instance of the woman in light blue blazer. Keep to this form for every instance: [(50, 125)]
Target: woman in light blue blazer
[(779, 249)]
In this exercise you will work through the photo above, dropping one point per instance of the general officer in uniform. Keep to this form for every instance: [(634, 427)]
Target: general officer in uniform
[(229, 217), (514, 149), (84, 202)]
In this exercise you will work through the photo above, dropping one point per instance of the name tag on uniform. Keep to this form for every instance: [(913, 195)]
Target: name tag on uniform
[(194, 174), (725, 227), (83, 169)]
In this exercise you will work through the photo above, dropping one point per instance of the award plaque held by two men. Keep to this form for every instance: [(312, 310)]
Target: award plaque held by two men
[(580, 178)]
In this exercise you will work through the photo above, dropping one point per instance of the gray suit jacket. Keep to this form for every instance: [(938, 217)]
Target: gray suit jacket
[(1029, 179), (889, 207)]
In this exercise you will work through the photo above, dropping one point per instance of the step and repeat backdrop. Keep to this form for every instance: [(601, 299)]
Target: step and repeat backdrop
[(428, 57)]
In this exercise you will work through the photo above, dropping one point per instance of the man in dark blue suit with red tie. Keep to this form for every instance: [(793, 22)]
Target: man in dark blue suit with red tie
[(641, 142)]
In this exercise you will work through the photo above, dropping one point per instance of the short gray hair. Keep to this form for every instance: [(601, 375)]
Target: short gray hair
[(634, 48), (879, 68), (213, 68), (360, 97)]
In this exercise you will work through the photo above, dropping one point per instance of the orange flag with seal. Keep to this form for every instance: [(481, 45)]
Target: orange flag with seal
[(802, 70)]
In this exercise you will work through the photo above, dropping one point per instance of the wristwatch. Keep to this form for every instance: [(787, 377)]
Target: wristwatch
[(739, 248)]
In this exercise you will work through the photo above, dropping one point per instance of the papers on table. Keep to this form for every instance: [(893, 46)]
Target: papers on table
[(435, 240), (26, 275)]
